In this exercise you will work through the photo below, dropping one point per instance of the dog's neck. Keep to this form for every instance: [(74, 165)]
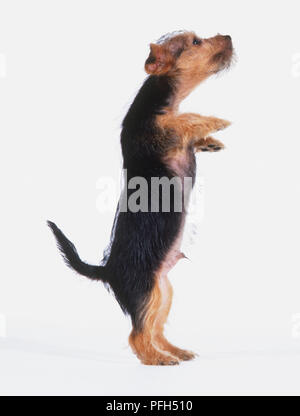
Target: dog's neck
[(159, 95)]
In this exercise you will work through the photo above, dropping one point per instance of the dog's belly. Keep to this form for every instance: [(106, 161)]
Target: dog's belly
[(174, 254), (183, 164)]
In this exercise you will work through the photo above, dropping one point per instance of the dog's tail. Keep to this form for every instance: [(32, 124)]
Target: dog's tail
[(72, 258)]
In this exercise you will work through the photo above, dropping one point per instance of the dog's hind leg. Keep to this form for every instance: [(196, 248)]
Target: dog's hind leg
[(166, 294), (149, 343), (142, 339)]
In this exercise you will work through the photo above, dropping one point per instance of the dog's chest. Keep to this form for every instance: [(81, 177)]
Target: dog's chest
[(183, 163)]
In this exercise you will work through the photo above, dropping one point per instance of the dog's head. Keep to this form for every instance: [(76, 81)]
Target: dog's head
[(186, 54)]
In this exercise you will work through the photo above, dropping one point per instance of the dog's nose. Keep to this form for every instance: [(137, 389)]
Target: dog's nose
[(227, 37)]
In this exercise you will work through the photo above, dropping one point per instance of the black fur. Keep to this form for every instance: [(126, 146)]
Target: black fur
[(140, 241), (72, 258)]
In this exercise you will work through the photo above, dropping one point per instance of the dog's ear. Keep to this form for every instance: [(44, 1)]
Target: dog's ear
[(159, 61)]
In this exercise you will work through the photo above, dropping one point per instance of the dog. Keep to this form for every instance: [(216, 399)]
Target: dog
[(157, 141)]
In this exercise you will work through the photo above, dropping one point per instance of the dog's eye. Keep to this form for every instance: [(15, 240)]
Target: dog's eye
[(197, 41)]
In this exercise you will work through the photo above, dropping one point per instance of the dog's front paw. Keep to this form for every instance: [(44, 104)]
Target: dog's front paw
[(209, 144)]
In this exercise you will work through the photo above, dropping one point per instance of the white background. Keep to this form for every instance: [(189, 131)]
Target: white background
[(69, 70)]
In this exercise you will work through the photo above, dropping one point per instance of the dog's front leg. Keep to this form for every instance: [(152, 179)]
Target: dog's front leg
[(202, 126), (193, 128)]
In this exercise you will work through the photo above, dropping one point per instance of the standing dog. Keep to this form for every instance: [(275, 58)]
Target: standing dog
[(157, 142)]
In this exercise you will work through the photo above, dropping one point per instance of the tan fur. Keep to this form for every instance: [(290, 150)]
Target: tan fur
[(143, 343), (190, 126), (209, 143), (150, 345)]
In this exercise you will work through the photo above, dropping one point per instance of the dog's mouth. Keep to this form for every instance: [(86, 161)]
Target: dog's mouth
[(223, 59)]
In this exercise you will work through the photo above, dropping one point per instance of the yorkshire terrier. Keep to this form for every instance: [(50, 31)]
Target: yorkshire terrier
[(157, 142)]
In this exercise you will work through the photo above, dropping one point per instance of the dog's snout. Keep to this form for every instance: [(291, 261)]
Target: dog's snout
[(222, 39), (228, 41)]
